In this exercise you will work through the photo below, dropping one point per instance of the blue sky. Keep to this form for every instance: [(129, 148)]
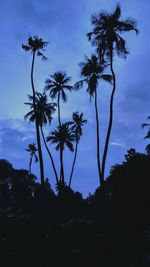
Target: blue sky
[(64, 25)]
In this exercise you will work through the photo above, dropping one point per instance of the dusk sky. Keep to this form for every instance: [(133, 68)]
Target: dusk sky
[(64, 24)]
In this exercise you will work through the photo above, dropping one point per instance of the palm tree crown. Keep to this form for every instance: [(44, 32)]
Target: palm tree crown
[(35, 45), (107, 28), (44, 110), (32, 149), (63, 136), (77, 124), (58, 83), (92, 69), (147, 135)]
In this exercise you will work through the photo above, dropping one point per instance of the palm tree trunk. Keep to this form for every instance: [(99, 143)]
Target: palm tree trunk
[(74, 160), (30, 164), (110, 116), (37, 126), (98, 140), (59, 122), (58, 102), (62, 167), (51, 158)]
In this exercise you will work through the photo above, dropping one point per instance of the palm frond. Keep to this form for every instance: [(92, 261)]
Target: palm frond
[(107, 78), (147, 149), (143, 125), (128, 24), (148, 135), (78, 85), (117, 13), (70, 145), (25, 47), (36, 158), (63, 95)]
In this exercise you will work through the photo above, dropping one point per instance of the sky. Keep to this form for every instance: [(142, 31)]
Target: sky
[(64, 24)]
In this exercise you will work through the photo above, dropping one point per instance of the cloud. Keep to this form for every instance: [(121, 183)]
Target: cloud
[(15, 135), (117, 144)]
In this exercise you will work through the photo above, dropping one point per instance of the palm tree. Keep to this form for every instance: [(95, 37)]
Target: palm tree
[(56, 85), (43, 116), (77, 124), (106, 37), (36, 45), (93, 71), (147, 135), (62, 137), (32, 150)]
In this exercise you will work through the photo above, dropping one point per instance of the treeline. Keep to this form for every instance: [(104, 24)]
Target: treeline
[(124, 197)]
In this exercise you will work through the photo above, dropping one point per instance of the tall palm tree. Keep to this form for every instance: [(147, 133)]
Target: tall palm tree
[(36, 46), (32, 150), (56, 85), (93, 71), (43, 116), (147, 135), (62, 137), (106, 36), (77, 124)]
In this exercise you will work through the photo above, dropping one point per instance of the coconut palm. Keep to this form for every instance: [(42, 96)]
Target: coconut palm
[(147, 135), (93, 71), (43, 115), (32, 149), (36, 46), (62, 137), (106, 36), (56, 85), (77, 124)]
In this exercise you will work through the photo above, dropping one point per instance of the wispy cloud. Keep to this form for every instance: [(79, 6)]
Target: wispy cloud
[(117, 144)]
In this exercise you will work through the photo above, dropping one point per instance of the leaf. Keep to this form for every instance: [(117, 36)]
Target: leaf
[(25, 47), (107, 78), (78, 85)]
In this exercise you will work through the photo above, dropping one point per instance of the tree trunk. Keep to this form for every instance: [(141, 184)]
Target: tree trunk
[(62, 167), (51, 158), (58, 103), (30, 163), (59, 122), (74, 160), (110, 116), (98, 141), (37, 126)]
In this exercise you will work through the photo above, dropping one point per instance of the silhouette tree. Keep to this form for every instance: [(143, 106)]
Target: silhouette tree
[(129, 184), (56, 85), (62, 137), (36, 45), (22, 186), (77, 124), (106, 37), (32, 150), (93, 71), (6, 170), (43, 116), (148, 135)]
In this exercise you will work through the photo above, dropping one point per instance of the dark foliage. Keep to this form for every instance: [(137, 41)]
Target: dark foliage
[(109, 228)]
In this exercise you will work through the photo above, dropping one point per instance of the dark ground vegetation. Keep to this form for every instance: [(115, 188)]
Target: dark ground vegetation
[(109, 228)]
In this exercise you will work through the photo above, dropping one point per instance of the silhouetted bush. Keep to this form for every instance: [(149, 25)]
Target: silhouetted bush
[(129, 185)]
